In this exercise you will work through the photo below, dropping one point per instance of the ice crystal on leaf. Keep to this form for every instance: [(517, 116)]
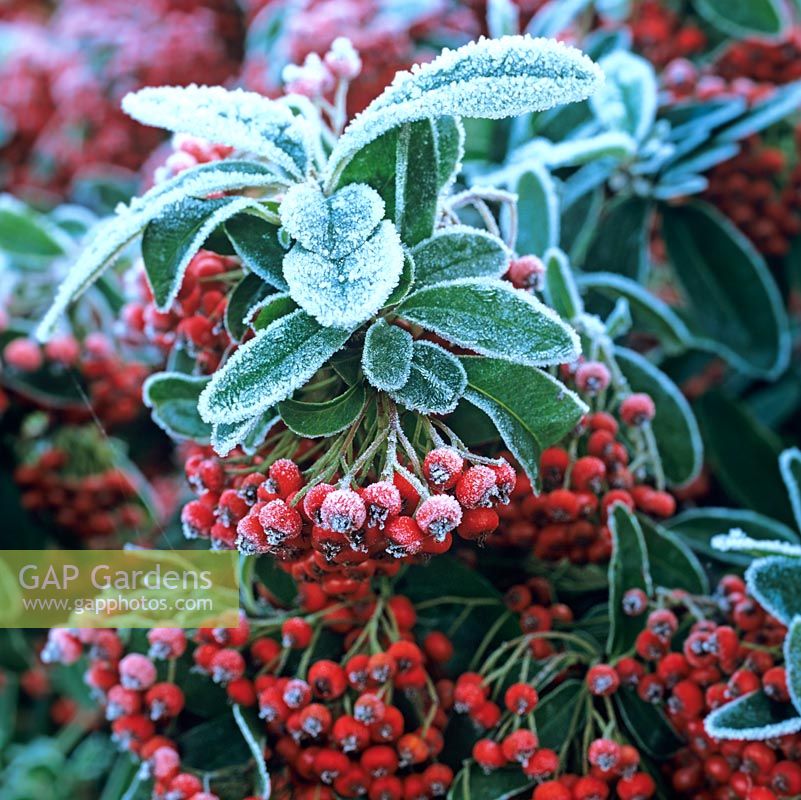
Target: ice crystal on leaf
[(387, 355), (348, 291), (436, 381), (488, 79), (245, 120), (248, 433), (331, 226), (277, 361), (737, 541)]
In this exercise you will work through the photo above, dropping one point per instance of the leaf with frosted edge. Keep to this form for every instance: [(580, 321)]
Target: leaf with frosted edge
[(560, 289), (753, 717), (247, 434), (492, 318), (269, 310), (406, 281), (681, 448), (315, 420), (619, 321), (628, 98), (172, 239), (110, 237), (348, 291), (334, 226), (245, 120), (460, 252), (247, 295), (489, 79), (737, 541), (416, 182), (673, 564), (172, 399), (790, 466), (530, 409), (269, 368), (387, 356), (255, 241), (792, 661), (649, 311), (774, 582), (503, 18), (628, 569), (538, 211), (436, 381)]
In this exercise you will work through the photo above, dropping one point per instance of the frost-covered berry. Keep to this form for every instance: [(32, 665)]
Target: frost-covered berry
[(280, 521), (634, 602), (439, 515), (312, 79), (488, 754), (227, 665), (166, 643), (137, 672), (297, 693), (602, 680), (313, 501), (604, 754), (505, 480), (519, 746), (343, 60), (404, 537), (250, 537), (520, 698), (369, 709), (476, 488), (592, 378), (165, 763), (62, 647), (197, 519), (637, 409), (121, 702), (442, 467), (23, 354), (383, 501), (526, 272), (296, 633), (164, 701), (284, 477), (343, 511)]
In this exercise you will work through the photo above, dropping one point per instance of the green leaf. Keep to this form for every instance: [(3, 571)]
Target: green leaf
[(782, 102), (697, 526), (248, 434), (387, 356), (627, 100), (754, 717), (620, 243), (739, 541), (746, 464), (26, 234), (774, 582), (459, 252), (171, 240), (560, 289), (618, 322), (628, 569), (489, 79), (278, 360), (436, 380), (493, 319), (255, 241), (681, 449), (790, 468), (472, 425), (538, 211), (272, 308), (734, 306), (672, 563), (249, 292), (314, 420), (405, 282), (754, 17), (530, 409), (647, 725), (559, 712), (252, 730), (792, 662), (173, 398), (279, 583), (649, 312), (213, 745), (416, 181), (450, 149)]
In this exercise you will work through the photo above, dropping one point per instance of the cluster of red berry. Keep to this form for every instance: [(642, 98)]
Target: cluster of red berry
[(763, 60), (661, 35), (195, 320), (580, 483), (87, 501), (340, 536)]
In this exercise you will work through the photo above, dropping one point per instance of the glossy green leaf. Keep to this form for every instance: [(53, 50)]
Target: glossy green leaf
[(272, 308), (538, 211), (249, 292), (647, 725), (560, 290), (255, 241), (620, 243), (459, 252), (672, 563), (313, 420), (172, 398), (751, 18)]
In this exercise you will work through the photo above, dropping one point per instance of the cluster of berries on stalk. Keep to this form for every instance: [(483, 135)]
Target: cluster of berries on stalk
[(568, 519), (339, 535), (662, 35)]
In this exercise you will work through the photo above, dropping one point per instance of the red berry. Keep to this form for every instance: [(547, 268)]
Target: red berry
[(442, 467), (637, 409)]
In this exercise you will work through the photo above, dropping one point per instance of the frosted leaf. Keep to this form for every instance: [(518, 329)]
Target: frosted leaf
[(538, 211), (436, 381), (269, 368), (571, 153), (269, 310), (503, 18), (774, 582), (247, 434), (738, 541), (331, 226), (790, 466), (387, 355), (245, 120), (112, 235), (460, 252), (172, 400), (753, 717), (627, 100), (489, 79), (792, 661), (492, 318), (350, 290)]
